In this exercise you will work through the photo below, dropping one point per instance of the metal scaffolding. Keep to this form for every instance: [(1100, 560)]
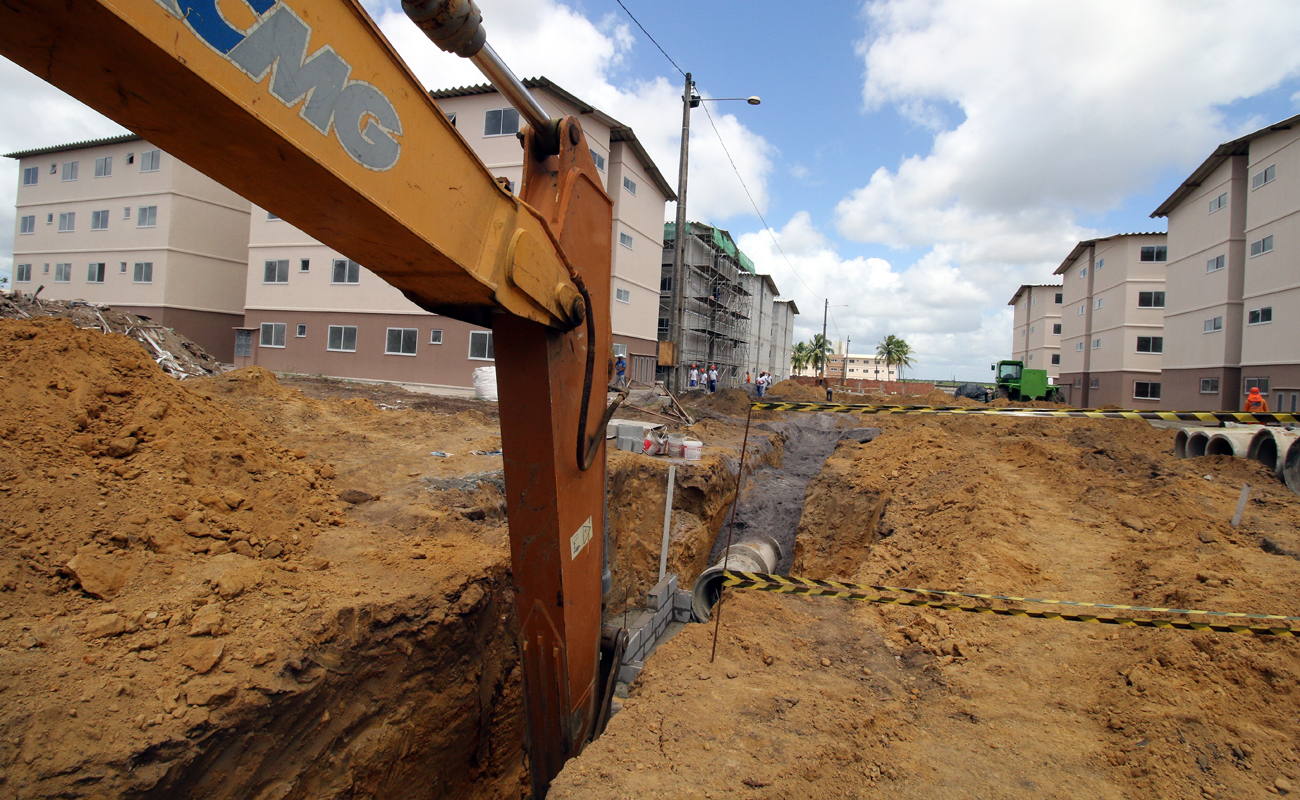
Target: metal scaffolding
[(714, 318)]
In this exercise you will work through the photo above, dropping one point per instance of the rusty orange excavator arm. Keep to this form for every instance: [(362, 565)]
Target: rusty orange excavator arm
[(303, 107)]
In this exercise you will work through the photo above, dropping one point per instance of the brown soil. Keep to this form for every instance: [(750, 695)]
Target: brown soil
[(797, 392), (813, 697)]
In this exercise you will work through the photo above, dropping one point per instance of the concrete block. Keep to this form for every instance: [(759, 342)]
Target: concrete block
[(682, 601), (630, 671), (662, 593)]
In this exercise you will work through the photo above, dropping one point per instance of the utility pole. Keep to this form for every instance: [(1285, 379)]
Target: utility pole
[(844, 375), (678, 330), (826, 307)]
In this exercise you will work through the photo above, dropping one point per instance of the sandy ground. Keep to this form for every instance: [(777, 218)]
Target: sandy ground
[(834, 698)]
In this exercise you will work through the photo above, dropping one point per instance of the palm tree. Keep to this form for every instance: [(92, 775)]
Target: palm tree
[(895, 352), (800, 356), (818, 349)]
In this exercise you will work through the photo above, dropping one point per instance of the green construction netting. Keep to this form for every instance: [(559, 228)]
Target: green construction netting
[(745, 262), (670, 231), (723, 240)]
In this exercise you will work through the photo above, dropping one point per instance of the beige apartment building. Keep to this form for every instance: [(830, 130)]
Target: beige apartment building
[(782, 339), (119, 221), (311, 310), (1112, 321), (1233, 302), (1036, 329)]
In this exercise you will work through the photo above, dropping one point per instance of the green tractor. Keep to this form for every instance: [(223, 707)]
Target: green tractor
[(1020, 385)]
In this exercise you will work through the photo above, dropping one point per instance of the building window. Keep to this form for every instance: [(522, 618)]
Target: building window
[(304, 265), (149, 160), (401, 341), (1056, 359), (1031, 356), (1255, 383), (666, 283), (1096, 344), (143, 272), (273, 334), (276, 271), (1097, 303), (1259, 316), (243, 344), (342, 338), (1261, 246), (435, 336), (1264, 176), (121, 267), (1151, 299), (62, 273), (49, 219), (1215, 264), (30, 175), (346, 271), (1154, 253), (625, 239), (69, 171), (1083, 273), (1056, 329), (1218, 202), (1094, 383), (1214, 324), (623, 295), (1151, 344), (1101, 263), (126, 212), (271, 217), (1078, 383), (1033, 301), (630, 185), (27, 224), (103, 167), (1078, 347), (23, 273), (1209, 385), (480, 346), (1083, 307), (501, 122), (301, 331), (599, 159), (99, 220), (1059, 298), (95, 273), (67, 221), (146, 217), (1146, 390)]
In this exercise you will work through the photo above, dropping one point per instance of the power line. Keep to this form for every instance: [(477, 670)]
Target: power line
[(734, 168), (651, 38)]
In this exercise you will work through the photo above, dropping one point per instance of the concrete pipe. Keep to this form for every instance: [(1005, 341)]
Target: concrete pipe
[(1269, 447), (1291, 466), (1229, 443), (753, 555), (1196, 442), (1180, 443)]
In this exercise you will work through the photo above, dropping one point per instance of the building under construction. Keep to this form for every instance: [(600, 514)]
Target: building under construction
[(713, 326)]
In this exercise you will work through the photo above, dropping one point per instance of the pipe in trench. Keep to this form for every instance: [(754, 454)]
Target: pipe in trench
[(760, 554)]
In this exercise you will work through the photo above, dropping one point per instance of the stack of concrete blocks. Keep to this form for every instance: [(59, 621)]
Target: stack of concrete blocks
[(664, 607), (631, 438)]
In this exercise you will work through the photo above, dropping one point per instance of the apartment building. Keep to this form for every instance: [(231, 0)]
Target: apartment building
[(856, 366), (1112, 320), (762, 296), (119, 221), (782, 339), (311, 310), (1036, 327), (1232, 315)]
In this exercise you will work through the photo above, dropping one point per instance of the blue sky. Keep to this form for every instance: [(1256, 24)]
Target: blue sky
[(917, 159)]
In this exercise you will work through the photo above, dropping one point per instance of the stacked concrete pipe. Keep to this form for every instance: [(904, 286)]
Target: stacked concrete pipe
[(1229, 443), (1291, 466), (1269, 447), (759, 554), (1191, 442)]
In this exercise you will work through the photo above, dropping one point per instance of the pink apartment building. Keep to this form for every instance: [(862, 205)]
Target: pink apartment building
[(1036, 328)]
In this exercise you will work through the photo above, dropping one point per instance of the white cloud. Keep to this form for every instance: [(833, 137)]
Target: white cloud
[(933, 304), (551, 39), (36, 115), (1067, 108)]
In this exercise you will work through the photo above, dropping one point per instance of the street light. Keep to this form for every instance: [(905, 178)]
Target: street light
[(690, 99)]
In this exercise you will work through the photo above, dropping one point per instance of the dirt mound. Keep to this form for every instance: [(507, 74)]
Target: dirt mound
[(939, 398), (795, 391), (731, 402)]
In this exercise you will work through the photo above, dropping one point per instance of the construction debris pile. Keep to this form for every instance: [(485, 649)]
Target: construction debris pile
[(176, 354)]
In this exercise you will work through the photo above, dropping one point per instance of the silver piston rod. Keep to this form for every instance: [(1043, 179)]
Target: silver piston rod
[(456, 26)]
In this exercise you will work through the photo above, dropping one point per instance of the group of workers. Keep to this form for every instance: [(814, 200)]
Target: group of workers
[(711, 375)]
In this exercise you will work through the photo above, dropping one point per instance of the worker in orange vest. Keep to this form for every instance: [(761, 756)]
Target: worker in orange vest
[(1256, 402)]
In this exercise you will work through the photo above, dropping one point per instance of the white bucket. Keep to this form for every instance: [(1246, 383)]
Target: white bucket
[(676, 445), (692, 448)]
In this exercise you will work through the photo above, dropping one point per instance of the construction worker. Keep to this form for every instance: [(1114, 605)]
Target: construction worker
[(1255, 402), (713, 378), (695, 376), (620, 366)]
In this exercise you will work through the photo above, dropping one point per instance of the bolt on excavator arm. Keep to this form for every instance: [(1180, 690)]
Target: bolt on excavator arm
[(303, 107)]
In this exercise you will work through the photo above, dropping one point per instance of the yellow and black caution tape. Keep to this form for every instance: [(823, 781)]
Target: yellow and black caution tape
[(1085, 413), (848, 591)]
